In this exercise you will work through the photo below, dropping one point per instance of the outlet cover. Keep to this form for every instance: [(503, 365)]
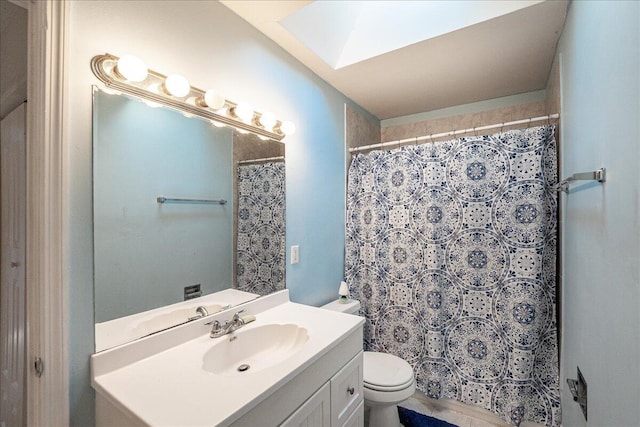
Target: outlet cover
[(192, 291)]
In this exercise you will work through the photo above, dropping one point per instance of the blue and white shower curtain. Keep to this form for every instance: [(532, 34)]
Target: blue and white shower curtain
[(260, 256), (451, 249)]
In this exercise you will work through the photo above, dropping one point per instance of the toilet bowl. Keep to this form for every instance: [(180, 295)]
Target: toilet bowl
[(388, 379)]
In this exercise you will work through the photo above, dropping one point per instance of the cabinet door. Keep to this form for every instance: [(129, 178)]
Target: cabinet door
[(314, 412), (346, 391), (357, 418)]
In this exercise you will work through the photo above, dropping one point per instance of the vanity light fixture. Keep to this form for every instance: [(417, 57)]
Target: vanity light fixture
[(176, 85), (130, 75), (212, 99), (288, 128), (244, 111), (268, 120), (131, 68)]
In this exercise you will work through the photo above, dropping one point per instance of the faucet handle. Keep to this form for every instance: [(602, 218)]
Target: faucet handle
[(236, 316), (216, 329), (202, 311), (215, 325)]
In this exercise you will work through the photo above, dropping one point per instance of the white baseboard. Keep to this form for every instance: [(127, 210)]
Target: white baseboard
[(471, 411)]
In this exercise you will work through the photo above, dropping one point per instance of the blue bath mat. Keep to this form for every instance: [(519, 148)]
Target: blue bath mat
[(410, 418)]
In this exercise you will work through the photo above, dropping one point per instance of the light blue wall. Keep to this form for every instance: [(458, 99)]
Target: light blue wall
[(213, 48), (600, 94), (145, 253)]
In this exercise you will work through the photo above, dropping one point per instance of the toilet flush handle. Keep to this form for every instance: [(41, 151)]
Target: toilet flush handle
[(351, 390)]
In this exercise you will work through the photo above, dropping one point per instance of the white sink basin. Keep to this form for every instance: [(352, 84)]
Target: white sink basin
[(252, 350)]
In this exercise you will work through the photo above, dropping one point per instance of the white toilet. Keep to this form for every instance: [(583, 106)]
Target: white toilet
[(388, 380)]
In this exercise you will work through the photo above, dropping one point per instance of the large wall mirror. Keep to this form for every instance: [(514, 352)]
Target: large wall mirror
[(227, 234)]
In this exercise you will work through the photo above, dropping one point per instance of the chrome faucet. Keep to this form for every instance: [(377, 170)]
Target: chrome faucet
[(218, 330), (200, 312)]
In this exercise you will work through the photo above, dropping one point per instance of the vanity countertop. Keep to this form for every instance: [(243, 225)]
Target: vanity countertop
[(163, 383)]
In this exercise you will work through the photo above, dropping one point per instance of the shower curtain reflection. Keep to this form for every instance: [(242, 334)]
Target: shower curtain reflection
[(451, 250), (260, 266)]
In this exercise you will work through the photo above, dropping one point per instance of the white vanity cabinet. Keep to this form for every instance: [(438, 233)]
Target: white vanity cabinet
[(315, 412), (318, 396), (338, 403), (164, 379), (346, 391)]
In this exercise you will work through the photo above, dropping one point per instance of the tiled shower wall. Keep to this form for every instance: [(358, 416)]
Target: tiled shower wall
[(463, 121), (360, 130)]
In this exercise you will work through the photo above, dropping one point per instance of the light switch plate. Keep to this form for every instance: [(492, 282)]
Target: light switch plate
[(295, 254)]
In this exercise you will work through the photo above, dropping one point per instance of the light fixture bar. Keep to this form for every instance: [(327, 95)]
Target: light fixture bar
[(102, 66)]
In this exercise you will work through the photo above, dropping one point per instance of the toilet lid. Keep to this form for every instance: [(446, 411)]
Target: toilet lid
[(388, 389), (383, 370)]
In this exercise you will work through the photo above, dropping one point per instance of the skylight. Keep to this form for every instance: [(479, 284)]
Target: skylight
[(343, 33)]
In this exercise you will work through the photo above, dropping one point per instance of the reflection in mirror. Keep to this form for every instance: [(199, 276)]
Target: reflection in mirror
[(149, 257), (260, 208), (147, 252)]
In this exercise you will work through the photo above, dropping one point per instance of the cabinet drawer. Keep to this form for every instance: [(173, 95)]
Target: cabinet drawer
[(357, 418), (313, 413), (346, 391)]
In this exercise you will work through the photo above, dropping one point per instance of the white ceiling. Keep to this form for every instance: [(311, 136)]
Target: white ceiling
[(488, 58), (361, 30)]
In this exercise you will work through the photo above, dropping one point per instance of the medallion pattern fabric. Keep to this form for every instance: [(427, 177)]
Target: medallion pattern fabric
[(451, 249), (260, 257)]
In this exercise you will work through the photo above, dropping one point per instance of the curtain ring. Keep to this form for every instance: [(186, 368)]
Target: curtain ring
[(502, 127), (475, 132), (529, 123), (415, 143)]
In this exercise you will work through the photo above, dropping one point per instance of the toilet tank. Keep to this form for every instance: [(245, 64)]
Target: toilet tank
[(352, 306)]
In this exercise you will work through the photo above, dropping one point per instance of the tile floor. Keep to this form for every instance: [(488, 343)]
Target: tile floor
[(418, 404)]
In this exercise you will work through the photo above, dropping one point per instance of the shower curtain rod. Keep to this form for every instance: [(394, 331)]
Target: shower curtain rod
[(264, 159), (455, 132)]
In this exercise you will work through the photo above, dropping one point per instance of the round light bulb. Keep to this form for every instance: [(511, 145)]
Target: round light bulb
[(214, 100), (244, 111), (288, 128), (268, 120), (177, 85), (132, 68), (217, 124)]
